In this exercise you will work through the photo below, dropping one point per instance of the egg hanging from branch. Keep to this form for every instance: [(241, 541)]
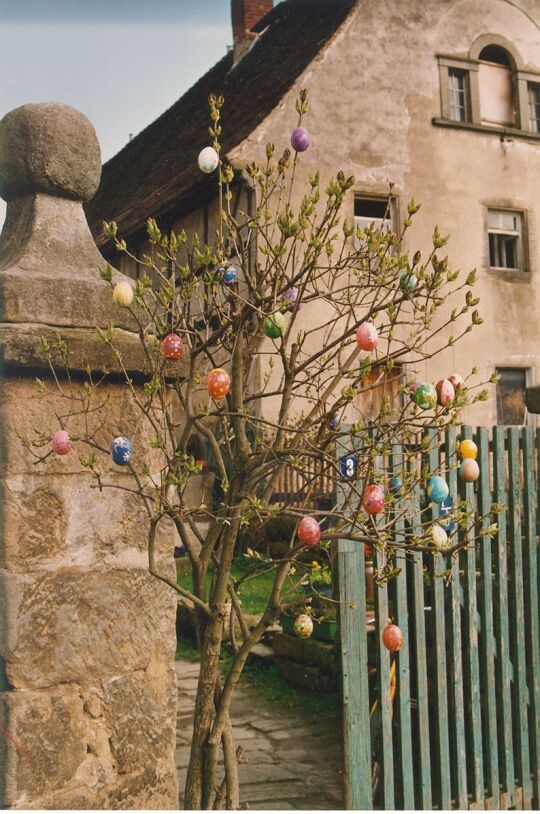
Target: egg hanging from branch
[(121, 450), (303, 626), (367, 336), (309, 531), (61, 442), (300, 139), (218, 383), (208, 160), (373, 499), (172, 347)]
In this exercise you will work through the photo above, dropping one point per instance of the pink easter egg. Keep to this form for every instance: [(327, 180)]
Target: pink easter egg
[(61, 442), (445, 392), (367, 336), (308, 531), (457, 381), (373, 500)]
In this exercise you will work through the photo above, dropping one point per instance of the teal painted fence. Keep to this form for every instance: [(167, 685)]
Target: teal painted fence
[(455, 721)]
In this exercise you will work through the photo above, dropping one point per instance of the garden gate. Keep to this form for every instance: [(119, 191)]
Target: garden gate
[(463, 728)]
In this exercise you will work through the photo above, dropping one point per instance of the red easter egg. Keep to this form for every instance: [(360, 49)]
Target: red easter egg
[(373, 500), (61, 442), (456, 381), (367, 336), (392, 638), (445, 392), (172, 347), (218, 383), (308, 531)]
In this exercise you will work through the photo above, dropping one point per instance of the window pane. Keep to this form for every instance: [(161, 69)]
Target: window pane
[(503, 251), (505, 239), (511, 395), (496, 96), (373, 208), (457, 95), (534, 107)]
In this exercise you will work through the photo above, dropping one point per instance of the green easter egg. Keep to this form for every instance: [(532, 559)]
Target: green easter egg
[(273, 326)]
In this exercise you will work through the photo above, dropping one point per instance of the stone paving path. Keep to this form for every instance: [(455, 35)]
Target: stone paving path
[(290, 763)]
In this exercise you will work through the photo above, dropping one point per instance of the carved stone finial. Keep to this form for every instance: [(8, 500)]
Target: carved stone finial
[(51, 148)]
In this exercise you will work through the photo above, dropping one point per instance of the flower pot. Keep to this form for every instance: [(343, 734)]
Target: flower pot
[(325, 631)]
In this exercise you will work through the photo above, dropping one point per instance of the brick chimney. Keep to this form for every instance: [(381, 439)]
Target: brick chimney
[(245, 14)]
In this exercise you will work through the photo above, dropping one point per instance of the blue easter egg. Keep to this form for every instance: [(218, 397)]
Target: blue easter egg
[(437, 489), (121, 450), (407, 281), (396, 485), (229, 275)]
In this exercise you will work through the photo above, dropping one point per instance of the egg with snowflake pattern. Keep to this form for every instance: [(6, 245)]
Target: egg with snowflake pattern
[(121, 450)]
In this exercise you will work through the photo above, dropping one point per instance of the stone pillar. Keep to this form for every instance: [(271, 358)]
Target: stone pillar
[(87, 636)]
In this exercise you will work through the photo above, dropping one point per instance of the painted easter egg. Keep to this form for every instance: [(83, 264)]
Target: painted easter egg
[(61, 442), (333, 423), (121, 450), (367, 336), (172, 347), (407, 282), (445, 392), (290, 297), (303, 626), (396, 485), (456, 381), (373, 500), (392, 638), (438, 535), (274, 325), (229, 275), (308, 531), (469, 470), (468, 449), (123, 294), (425, 396), (300, 139), (437, 489), (208, 160), (218, 383)]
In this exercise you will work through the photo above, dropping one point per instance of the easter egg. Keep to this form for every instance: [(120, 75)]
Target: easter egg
[(300, 139), (208, 160), (229, 275), (425, 396), (407, 282), (373, 500), (123, 294), (172, 347), (274, 325), (396, 485), (61, 442), (445, 392), (456, 381), (218, 383), (121, 450), (392, 638), (367, 336), (468, 449), (438, 535), (437, 489), (303, 626), (308, 531), (333, 423), (290, 297), (469, 470)]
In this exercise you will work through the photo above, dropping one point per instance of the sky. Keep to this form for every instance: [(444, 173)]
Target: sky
[(120, 62)]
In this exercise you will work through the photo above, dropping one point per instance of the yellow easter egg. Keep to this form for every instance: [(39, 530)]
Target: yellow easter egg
[(468, 449), (123, 294)]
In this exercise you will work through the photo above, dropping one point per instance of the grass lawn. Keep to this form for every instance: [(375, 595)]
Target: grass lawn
[(255, 590)]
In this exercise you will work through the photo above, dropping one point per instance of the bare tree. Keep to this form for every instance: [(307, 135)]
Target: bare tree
[(262, 343)]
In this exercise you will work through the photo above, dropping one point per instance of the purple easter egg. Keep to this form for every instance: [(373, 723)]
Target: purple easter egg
[(300, 139), (290, 297)]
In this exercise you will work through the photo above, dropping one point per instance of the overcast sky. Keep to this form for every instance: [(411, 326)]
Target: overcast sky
[(121, 62)]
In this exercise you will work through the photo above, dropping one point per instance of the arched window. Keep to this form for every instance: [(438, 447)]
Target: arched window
[(496, 86)]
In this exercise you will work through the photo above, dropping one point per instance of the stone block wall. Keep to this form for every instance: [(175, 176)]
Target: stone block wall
[(87, 636)]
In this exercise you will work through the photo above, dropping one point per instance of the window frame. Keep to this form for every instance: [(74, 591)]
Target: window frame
[(534, 123), (522, 273), (530, 380), (470, 66), (360, 221)]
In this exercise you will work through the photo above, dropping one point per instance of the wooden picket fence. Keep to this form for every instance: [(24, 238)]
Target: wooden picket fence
[(463, 728)]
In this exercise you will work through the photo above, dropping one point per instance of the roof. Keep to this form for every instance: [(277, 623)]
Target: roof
[(156, 174)]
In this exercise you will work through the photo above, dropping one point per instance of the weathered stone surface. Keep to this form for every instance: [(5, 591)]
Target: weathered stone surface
[(48, 147), (141, 706), (53, 521), (70, 624), (48, 740)]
